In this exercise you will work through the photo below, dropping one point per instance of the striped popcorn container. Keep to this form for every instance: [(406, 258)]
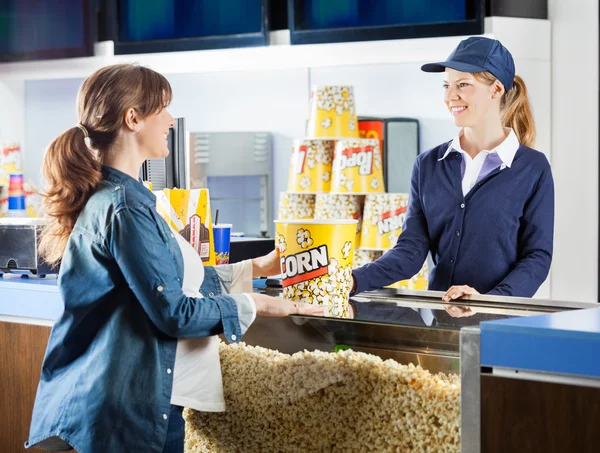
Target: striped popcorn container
[(188, 213)]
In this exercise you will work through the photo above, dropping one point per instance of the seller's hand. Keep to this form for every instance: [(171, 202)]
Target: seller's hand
[(459, 292), (274, 306), (266, 266)]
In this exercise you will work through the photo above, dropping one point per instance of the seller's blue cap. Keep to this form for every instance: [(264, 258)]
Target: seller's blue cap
[(479, 54)]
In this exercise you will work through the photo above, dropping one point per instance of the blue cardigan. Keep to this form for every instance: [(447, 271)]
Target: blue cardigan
[(497, 239)]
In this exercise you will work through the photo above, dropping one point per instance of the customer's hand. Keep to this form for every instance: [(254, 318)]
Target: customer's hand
[(267, 265), (274, 306)]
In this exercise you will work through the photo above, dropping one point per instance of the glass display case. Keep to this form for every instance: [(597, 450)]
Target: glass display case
[(329, 384), (411, 326)]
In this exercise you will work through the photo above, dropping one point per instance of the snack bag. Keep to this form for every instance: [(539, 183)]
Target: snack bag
[(188, 212)]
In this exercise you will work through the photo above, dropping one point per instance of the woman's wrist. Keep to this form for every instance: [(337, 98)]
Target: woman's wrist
[(256, 269)]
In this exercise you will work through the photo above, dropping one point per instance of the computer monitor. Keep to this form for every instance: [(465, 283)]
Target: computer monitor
[(169, 172)]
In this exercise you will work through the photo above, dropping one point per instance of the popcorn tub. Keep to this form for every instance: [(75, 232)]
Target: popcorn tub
[(357, 167), (310, 166), (316, 262), (383, 219), (332, 113), (331, 206), (296, 206)]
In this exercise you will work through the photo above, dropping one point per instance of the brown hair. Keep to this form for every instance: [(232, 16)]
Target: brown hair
[(71, 167), (515, 108)]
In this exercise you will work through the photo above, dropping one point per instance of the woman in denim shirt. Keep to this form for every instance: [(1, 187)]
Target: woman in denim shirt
[(107, 376)]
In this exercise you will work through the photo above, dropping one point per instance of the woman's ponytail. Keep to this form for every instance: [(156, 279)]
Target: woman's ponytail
[(72, 164), (514, 108), (517, 114), (72, 173)]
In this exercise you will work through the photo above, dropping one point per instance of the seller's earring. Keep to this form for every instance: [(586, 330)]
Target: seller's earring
[(137, 128)]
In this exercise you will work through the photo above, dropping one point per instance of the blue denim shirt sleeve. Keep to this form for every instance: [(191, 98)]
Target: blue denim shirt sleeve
[(148, 265)]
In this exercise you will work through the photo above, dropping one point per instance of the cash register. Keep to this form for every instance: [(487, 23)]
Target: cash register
[(19, 238)]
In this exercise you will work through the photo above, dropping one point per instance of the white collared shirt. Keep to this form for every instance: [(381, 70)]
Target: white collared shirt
[(472, 167)]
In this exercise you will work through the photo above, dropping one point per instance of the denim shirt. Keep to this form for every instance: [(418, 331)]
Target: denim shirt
[(107, 375)]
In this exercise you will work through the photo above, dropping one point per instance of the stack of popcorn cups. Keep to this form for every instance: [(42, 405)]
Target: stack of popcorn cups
[(334, 175), (383, 219)]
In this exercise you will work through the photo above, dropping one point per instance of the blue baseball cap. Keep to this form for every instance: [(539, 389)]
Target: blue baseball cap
[(478, 54)]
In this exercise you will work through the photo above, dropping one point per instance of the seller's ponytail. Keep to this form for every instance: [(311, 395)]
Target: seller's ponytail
[(515, 108)]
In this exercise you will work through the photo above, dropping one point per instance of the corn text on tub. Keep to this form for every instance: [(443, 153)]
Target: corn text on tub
[(317, 402), (316, 262)]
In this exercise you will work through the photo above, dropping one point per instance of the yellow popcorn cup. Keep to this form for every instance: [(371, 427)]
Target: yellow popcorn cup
[(404, 284), (332, 113), (383, 219), (332, 206), (419, 282), (296, 206), (357, 167), (362, 257), (310, 166), (316, 262)]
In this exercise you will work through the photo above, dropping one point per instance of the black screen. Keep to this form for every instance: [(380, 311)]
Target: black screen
[(37, 29), (332, 14), (146, 20)]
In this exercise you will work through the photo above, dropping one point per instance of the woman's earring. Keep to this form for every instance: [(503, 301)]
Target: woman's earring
[(137, 128)]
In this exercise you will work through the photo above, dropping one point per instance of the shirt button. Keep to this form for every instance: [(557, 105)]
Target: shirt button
[(457, 233), (160, 288), (452, 260), (233, 338), (169, 371), (117, 188), (211, 294), (462, 206), (165, 416)]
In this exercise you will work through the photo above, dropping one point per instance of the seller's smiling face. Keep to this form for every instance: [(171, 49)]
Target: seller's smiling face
[(468, 100)]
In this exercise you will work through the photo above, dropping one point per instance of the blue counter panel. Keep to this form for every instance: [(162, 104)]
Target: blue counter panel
[(30, 298), (563, 343), (39, 298)]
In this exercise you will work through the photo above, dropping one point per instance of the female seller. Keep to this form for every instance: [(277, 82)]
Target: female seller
[(482, 203)]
